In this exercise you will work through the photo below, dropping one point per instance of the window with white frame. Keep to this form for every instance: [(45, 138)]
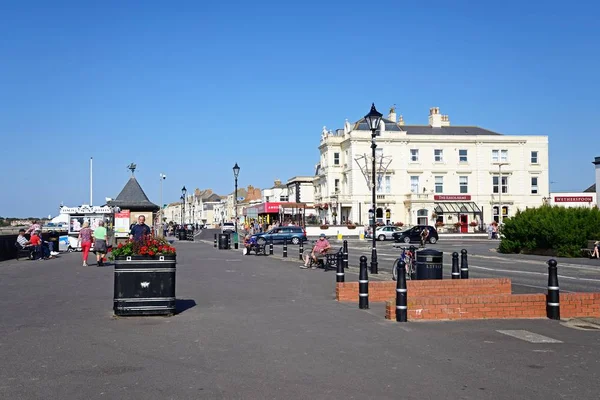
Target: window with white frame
[(439, 184), (336, 158), (503, 155), (388, 184), (414, 184), (384, 183), (534, 185), (499, 155), (495, 186), (336, 186), (463, 184), (462, 155), (414, 155), (438, 155), (534, 157)]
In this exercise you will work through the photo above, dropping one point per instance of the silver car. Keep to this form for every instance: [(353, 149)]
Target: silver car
[(385, 232)]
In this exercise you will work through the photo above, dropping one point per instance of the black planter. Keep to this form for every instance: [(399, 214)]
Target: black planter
[(144, 285)]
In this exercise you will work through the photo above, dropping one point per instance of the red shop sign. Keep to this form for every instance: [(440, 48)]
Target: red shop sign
[(573, 199), (452, 197)]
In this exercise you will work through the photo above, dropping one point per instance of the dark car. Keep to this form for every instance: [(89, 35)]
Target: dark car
[(293, 234), (414, 234)]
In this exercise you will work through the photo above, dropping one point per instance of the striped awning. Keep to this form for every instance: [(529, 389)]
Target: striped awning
[(468, 207)]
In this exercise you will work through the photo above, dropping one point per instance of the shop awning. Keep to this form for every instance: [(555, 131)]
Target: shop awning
[(468, 207)]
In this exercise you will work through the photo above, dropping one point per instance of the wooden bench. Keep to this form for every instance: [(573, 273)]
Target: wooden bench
[(258, 249), (24, 252), (587, 252), (329, 261)]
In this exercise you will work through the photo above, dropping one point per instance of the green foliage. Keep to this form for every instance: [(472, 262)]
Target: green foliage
[(550, 230)]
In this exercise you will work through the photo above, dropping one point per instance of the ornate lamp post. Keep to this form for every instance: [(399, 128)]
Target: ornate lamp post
[(183, 193), (182, 208), (373, 119), (236, 172)]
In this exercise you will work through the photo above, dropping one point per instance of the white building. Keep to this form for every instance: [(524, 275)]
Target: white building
[(436, 172)]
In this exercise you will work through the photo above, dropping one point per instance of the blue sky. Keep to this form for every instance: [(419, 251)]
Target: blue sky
[(189, 90)]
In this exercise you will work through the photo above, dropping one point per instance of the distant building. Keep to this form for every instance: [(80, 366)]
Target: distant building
[(429, 173)]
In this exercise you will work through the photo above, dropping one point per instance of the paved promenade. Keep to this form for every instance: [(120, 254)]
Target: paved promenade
[(259, 328)]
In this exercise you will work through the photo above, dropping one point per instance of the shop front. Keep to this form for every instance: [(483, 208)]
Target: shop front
[(271, 212), (457, 211)]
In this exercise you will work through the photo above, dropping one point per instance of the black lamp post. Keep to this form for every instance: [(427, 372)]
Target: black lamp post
[(183, 193), (182, 208), (236, 172), (373, 119)]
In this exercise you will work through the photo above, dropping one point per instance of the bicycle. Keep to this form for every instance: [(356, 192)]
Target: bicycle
[(408, 256)]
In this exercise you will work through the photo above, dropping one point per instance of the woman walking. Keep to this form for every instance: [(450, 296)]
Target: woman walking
[(100, 237), (85, 238)]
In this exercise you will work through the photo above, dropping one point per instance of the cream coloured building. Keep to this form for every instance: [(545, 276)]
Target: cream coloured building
[(435, 172)]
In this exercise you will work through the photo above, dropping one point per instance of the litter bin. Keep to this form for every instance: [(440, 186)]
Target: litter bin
[(223, 241), (144, 286), (182, 235), (429, 264), (190, 235)]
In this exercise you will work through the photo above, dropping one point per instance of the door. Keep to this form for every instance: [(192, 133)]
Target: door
[(464, 226), (415, 233), (276, 235)]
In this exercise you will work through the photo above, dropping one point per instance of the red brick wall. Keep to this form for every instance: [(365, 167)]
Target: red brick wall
[(495, 307), (575, 305), (380, 291)]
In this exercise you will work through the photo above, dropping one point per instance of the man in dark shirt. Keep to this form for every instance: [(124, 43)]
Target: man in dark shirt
[(139, 230)]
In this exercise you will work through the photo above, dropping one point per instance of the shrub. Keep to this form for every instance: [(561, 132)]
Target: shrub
[(439, 224), (550, 230), (399, 224)]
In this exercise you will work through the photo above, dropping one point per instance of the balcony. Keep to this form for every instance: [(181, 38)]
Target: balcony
[(419, 197)]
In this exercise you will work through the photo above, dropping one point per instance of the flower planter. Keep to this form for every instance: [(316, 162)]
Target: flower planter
[(144, 285)]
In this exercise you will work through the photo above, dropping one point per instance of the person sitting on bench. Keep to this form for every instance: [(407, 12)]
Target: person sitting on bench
[(22, 240), (250, 244), (318, 251)]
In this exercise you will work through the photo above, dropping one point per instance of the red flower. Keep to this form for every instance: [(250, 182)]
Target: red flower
[(120, 245), (151, 253)]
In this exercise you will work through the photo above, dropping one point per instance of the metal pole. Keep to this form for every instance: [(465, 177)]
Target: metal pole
[(284, 248), (455, 269), (500, 195), (345, 256), (374, 266), (301, 250), (235, 204), (401, 293), (363, 284), (271, 246), (553, 298), (464, 265)]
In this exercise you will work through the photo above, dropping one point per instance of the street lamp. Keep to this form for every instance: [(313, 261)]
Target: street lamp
[(183, 193), (236, 172), (182, 208), (222, 217), (160, 214), (373, 119)]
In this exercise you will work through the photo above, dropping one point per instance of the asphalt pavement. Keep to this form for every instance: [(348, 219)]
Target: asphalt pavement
[(258, 328)]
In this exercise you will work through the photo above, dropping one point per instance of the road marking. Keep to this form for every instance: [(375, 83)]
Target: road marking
[(528, 336), (533, 273)]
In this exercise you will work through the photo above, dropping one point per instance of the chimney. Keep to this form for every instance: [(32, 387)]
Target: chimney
[(437, 120), (392, 114), (277, 182), (596, 162), (401, 120)]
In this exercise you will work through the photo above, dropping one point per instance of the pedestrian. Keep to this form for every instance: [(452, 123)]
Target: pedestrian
[(495, 230), (490, 230), (139, 230), (85, 241), (424, 236), (100, 239)]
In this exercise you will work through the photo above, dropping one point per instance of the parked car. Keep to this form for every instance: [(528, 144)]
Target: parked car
[(227, 227), (414, 234), (385, 232), (293, 234)]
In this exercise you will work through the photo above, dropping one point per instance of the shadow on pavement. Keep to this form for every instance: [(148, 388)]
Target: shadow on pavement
[(182, 305)]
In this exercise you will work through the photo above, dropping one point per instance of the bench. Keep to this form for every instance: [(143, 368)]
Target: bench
[(329, 261), (587, 252), (26, 252)]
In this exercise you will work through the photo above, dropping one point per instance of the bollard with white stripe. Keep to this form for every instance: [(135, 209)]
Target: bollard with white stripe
[(464, 265), (455, 269), (284, 248), (345, 259), (215, 244), (339, 271), (553, 298), (401, 293), (271, 247), (363, 285), (229, 241), (301, 250)]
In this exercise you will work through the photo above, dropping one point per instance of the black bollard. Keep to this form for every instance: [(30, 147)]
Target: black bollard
[(464, 265), (237, 240), (339, 273), (455, 269), (271, 247), (553, 298), (301, 250), (401, 293), (345, 259), (228, 241), (215, 245), (284, 248), (363, 285)]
